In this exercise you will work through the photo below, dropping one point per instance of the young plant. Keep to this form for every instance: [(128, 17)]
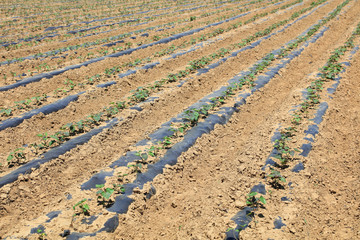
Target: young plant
[(6, 112), (104, 194), (84, 207), (166, 143), (181, 129), (136, 168), (121, 176), (144, 156), (16, 157), (153, 151), (41, 234), (192, 116), (253, 201), (275, 179)]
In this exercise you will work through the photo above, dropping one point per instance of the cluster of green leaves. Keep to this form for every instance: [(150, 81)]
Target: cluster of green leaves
[(41, 234), (104, 193), (329, 72), (24, 104), (284, 152), (84, 207), (16, 157), (275, 178), (153, 151), (255, 201), (192, 116)]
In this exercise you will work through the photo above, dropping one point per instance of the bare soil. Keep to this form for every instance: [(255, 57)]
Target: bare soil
[(198, 196)]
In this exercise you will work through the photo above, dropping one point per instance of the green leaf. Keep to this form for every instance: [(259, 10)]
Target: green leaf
[(144, 156), (77, 204), (10, 157), (262, 199), (99, 185), (107, 193), (85, 208), (252, 194)]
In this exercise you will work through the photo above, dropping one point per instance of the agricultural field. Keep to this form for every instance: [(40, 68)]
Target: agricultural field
[(154, 119)]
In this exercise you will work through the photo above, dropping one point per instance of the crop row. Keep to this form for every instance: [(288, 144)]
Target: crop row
[(285, 153), (80, 52), (105, 192), (138, 95), (70, 29), (70, 85)]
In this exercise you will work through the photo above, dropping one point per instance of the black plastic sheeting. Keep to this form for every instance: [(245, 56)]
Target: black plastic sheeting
[(151, 65), (242, 219), (54, 34), (122, 202), (61, 104), (234, 234), (47, 109), (260, 188), (54, 153), (285, 199), (89, 220), (313, 129), (276, 136), (49, 75), (298, 167), (278, 223), (52, 215), (109, 226), (87, 44)]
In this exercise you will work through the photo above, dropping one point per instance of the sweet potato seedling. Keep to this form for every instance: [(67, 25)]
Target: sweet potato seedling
[(153, 151), (104, 194), (276, 178), (6, 112), (16, 157), (136, 168), (41, 234), (144, 156), (166, 142), (84, 207), (253, 201)]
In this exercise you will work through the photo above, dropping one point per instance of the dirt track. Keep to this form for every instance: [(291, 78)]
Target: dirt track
[(198, 196)]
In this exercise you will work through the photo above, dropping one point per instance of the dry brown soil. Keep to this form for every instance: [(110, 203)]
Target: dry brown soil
[(197, 197)]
